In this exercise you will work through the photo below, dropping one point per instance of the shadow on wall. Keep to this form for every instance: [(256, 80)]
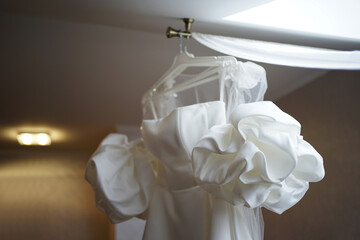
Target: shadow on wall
[(329, 113)]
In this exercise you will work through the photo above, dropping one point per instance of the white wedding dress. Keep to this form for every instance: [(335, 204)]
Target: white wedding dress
[(203, 171)]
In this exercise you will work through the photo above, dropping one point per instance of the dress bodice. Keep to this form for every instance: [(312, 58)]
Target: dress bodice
[(171, 139)]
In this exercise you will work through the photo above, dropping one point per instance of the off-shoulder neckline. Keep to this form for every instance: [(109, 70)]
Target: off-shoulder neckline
[(216, 102)]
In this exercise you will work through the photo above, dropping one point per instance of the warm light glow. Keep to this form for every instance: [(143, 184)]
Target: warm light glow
[(42, 139), (57, 135), (25, 138), (331, 18)]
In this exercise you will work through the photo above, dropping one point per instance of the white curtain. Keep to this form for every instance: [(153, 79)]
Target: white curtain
[(281, 54)]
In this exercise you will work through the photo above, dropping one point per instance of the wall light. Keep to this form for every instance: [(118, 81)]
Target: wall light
[(39, 138)]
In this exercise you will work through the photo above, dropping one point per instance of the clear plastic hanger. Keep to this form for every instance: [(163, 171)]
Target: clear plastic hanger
[(185, 60), (168, 85)]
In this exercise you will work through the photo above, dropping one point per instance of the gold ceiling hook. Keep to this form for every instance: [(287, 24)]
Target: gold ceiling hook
[(188, 22), (170, 32)]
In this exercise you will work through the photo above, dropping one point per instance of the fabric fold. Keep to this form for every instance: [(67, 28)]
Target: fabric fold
[(122, 177), (260, 159), (281, 54)]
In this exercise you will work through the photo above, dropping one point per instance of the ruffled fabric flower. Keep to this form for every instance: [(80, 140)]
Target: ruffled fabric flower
[(259, 159), (122, 177)]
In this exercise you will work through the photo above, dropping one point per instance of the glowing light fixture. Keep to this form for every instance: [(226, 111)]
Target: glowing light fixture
[(40, 138), (332, 18)]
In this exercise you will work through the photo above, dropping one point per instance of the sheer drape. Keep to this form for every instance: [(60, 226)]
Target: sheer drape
[(281, 54)]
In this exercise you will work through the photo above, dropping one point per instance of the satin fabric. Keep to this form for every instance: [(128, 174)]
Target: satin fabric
[(198, 174)]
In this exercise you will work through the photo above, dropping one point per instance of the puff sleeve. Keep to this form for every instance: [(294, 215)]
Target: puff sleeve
[(122, 177), (259, 159)]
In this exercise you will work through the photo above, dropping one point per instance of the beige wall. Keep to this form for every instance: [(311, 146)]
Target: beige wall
[(43, 195), (329, 112)]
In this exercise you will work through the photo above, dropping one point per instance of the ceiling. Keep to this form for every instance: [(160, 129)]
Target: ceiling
[(154, 15), (78, 68)]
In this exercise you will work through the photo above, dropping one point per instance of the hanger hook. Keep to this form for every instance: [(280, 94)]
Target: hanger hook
[(180, 44), (188, 22), (186, 45)]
